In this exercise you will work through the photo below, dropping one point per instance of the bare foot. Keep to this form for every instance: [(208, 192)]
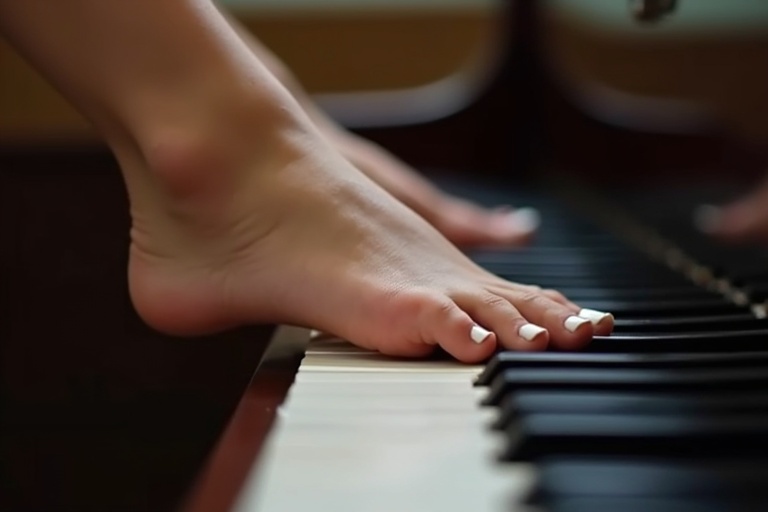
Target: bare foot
[(243, 212), (299, 236)]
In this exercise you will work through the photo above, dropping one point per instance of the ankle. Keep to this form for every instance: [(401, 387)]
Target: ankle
[(194, 143)]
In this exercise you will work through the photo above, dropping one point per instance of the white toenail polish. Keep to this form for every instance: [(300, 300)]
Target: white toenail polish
[(529, 331), (526, 219), (706, 218), (574, 322), (594, 316), (478, 334)]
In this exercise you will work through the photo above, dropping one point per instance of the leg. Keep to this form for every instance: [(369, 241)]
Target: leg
[(461, 221), (241, 210)]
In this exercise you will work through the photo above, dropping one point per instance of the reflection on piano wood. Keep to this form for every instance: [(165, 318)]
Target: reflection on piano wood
[(670, 413)]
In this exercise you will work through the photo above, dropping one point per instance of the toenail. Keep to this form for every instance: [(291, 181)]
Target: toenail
[(530, 331), (478, 334), (526, 219), (594, 316), (574, 322)]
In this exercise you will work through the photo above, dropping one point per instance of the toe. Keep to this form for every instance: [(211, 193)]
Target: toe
[(512, 330), (467, 339), (602, 322), (468, 224), (567, 330), (512, 227)]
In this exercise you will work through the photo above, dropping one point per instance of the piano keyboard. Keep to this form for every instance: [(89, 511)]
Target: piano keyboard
[(670, 413), (359, 432)]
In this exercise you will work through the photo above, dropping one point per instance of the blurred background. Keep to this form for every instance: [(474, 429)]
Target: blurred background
[(711, 52)]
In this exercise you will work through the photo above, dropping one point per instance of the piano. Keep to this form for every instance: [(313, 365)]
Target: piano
[(667, 414)]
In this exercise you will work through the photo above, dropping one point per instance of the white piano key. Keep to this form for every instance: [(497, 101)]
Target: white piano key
[(385, 403), (359, 432), (384, 377), (443, 474)]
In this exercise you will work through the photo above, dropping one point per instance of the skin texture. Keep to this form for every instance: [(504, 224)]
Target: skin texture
[(242, 209)]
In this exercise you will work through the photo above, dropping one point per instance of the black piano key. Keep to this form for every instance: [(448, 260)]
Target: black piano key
[(625, 379), (687, 291), (732, 322), (656, 311), (555, 251), (594, 476), (524, 402), (640, 274), (642, 504), (507, 360), (550, 259), (626, 281), (665, 308), (717, 341), (536, 436)]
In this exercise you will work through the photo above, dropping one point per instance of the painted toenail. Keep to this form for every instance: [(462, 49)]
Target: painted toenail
[(530, 331), (574, 322), (594, 316), (478, 334), (526, 219)]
